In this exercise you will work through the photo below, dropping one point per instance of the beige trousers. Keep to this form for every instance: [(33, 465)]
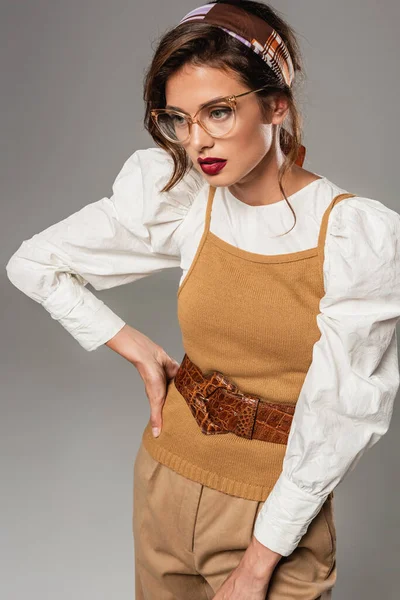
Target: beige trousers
[(188, 538)]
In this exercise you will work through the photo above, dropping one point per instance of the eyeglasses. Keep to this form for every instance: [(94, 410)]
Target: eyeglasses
[(216, 117)]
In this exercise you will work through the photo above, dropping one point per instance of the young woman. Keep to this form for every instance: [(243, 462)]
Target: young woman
[(288, 304)]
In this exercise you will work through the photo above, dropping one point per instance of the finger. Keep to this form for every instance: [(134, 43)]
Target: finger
[(156, 419), (171, 367), (157, 398)]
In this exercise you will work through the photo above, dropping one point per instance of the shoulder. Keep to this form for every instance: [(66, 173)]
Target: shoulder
[(362, 244), (147, 170), (364, 218), (358, 215)]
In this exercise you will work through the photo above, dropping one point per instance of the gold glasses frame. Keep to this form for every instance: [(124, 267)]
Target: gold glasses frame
[(231, 100)]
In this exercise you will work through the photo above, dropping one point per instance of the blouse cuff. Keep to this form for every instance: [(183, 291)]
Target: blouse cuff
[(285, 516), (84, 316)]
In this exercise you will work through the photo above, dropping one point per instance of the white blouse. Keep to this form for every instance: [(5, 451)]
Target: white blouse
[(346, 401)]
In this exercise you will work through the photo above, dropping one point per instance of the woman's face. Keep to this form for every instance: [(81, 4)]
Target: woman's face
[(248, 145)]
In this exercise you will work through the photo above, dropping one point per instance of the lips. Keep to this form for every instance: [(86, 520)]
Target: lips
[(210, 159), (211, 165), (212, 168)]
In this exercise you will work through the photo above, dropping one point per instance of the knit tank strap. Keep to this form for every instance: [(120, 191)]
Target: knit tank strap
[(207, 221), (324, 226)]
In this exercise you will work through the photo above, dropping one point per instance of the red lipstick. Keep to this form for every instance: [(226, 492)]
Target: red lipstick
[(211, 165)]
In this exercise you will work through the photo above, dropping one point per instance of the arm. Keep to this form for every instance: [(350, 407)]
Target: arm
[(107, 243), (346, 402)]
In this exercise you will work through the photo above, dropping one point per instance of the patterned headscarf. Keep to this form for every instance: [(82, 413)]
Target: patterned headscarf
[(253, 32)]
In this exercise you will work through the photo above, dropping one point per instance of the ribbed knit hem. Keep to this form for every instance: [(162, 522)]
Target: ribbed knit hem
[(208, 478)]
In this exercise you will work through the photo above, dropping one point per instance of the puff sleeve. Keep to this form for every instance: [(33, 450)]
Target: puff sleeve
[(107, 243), (346, 401)]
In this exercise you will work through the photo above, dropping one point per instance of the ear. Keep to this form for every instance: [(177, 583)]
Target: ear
[(276, 108)]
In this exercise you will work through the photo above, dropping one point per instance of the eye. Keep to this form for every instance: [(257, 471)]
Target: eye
[(220, 112), (178, 119)]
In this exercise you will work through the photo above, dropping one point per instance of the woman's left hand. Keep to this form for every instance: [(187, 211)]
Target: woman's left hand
[(250, 579)]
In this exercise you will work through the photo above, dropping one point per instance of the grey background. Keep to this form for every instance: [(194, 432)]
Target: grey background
[(71, 421)]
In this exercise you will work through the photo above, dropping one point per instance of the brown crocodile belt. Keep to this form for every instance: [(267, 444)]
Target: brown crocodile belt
[(219, 406)]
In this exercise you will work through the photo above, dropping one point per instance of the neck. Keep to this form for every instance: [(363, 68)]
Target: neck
[(261, 185)]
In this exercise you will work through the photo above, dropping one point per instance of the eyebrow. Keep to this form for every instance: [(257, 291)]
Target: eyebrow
[(200, 106)]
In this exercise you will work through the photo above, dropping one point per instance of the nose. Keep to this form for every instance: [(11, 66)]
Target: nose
[(199, 137)]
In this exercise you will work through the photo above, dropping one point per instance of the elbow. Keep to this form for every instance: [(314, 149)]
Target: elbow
[(24, 274), (382, 423), (16, 269)]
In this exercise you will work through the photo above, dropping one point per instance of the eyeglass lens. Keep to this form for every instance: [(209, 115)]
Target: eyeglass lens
[(217, 119)]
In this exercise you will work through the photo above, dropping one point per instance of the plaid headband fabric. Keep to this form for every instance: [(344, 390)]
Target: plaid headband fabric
[(252, 31)]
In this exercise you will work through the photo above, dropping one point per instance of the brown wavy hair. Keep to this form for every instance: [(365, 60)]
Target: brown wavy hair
[(198, 43)]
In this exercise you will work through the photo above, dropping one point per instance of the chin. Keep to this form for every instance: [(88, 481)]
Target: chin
[(220, 179)]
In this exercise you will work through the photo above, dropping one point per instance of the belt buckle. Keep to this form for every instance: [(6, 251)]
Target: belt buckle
[(202, 415), (242, 421)]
